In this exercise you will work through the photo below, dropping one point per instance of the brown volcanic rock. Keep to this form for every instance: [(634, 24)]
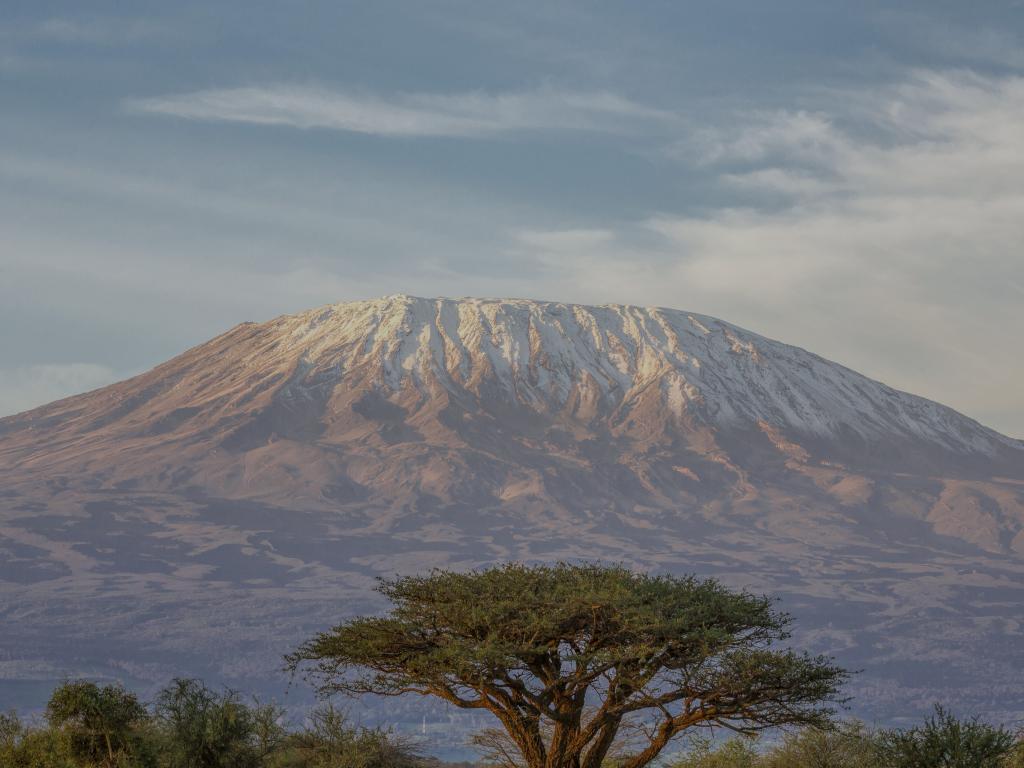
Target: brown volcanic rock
[(267, 474)]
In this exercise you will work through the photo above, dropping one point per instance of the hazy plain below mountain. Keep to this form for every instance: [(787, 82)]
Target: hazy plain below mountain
[(205, 516)]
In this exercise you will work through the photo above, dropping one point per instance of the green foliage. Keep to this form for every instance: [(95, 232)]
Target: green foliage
[(946, 742), (100, 722), (583, 666), (328, 741), (10, 728), (197, 727), (1015, 759), (941, 742), (38, 748), (534, 644), (209, 729), (735, 753), (848, 746), (194, 726), (203, 728)]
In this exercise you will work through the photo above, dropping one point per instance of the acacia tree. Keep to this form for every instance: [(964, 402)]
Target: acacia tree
[(563, 655)]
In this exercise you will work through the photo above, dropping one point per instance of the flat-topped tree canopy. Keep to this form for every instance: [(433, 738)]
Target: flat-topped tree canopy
[(563, 655)]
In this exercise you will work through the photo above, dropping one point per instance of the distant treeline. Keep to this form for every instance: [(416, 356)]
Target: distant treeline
[(191, 725)]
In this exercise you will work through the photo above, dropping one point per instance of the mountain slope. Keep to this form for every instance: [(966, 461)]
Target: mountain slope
[(488, 377), (279, 466)]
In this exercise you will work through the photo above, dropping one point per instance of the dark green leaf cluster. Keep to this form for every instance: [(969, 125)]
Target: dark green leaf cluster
[(735, 753), (849, 745), (544, 645), (100, 723), (942, 741), (328, 741), (211, 729), (190, 726), (945, 741)]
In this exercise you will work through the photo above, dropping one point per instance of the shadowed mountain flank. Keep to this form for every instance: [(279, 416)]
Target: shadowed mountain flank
[(266, 477)]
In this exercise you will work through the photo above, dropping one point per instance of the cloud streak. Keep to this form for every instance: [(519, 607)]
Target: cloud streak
[(472, 115), (27, 386), (98, 31), (983, 44), (883, 229)]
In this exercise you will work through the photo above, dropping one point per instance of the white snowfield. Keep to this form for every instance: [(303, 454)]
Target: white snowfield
[(556, 356)]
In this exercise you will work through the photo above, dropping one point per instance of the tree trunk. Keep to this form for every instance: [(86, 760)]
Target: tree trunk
[(599, 749), (110, 749)]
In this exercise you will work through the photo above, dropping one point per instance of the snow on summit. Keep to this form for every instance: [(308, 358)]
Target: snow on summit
[(558, 356)]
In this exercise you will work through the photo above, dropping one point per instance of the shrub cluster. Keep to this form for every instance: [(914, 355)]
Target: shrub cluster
[(942, 741), (190, 725)]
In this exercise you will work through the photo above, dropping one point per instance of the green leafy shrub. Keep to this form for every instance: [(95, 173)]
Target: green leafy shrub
[(849, 745), (1015, 758), (39, 748), (943, 741), (203, 728), (328, 741), (735, 753), (101, 723)]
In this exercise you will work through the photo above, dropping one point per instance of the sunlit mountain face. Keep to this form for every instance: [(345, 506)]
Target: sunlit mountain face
[(206, 516)]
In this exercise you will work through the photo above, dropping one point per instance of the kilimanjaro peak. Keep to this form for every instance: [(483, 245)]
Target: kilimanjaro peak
[(278, 468), (368, 376)]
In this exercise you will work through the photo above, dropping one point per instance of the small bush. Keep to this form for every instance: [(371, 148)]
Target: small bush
[(203, 728), (946, 742), (1015, 759), (101, 724), (328, 741), (849, 745), (735, 753), (24, 747)]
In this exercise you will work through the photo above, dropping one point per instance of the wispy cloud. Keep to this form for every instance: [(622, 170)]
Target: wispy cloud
[(28, 386), (474, 114), (100, 31), (956, 42), (884, 229)]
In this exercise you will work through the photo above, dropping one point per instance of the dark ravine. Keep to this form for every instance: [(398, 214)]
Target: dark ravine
[(208, 514)]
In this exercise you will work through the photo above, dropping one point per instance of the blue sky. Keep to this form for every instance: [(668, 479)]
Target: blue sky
[(848, 177)]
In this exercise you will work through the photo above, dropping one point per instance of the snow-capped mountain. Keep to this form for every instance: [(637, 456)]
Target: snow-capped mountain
[(269, 473), (459, 373)]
